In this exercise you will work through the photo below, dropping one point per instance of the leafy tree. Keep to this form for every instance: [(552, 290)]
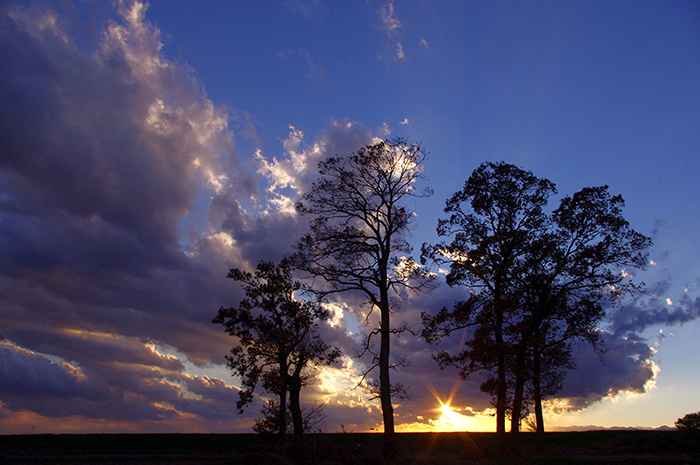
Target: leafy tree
[(493, 222), (358, 241), (540, 281), (278, 340), (573, 268), (690, 422), (270, 422)]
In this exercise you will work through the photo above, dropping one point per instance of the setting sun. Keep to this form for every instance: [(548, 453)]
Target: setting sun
[(446, 410), (466, 419)]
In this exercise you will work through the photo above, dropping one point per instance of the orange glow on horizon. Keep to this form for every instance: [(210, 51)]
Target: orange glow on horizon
[(450, 419)]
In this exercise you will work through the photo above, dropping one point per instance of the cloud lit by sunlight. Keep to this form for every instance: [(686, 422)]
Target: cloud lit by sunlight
[(451, 419)]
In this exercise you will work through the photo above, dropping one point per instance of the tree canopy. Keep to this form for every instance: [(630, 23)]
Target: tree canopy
[(278, 341), (538, 280)]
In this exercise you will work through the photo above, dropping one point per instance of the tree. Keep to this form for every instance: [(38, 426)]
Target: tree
[(278, 340), (490, 240), (540, 281), (358, 241), (312, 418), (582, 262), (690, 423)]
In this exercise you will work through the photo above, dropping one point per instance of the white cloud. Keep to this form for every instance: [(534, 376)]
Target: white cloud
[(391, 25), (384, 130), (399, 51), (297, 166), (389, 20)]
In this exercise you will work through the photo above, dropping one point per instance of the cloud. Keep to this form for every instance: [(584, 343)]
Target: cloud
[(23, 373), (391, 25), (390, 22), (114, 166), (399, 51), (122, 207), (119, 388), (637, 316), (293, 173), (626, 367)]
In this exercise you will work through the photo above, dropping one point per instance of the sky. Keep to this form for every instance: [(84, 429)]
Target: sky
[(147, 148)]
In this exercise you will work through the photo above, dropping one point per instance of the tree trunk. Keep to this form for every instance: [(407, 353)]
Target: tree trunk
[(518, 396), (537, 387), (385, 384), (295, 406), (502, 388), (283, 400)]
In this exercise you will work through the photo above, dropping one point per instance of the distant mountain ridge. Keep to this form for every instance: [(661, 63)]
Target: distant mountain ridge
[(611, 428)]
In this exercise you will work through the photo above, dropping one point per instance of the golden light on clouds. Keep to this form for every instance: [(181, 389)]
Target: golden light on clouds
[(449, 419)]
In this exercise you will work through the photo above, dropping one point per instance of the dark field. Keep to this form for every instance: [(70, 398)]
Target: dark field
[(594, 447)]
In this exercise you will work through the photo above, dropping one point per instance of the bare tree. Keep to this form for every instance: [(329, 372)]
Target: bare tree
[(313, 416), (358, 242)]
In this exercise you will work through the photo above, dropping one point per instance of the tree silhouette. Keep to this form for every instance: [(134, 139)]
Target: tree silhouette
[(490, 240), (539, 281), (689, 424), (312, 418), (278, 340), (580, 263), (358, 241)]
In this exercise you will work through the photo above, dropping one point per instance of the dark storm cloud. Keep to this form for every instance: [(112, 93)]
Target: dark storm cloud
[(626, 366), (127, 388), (627, 361), (25, 373), (638, 316), (120, 215), (102, 158)]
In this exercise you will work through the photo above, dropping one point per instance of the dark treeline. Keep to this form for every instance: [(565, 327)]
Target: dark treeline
[(537, 281)]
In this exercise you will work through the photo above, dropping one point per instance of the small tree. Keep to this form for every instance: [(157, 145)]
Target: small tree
[(313, 417), (270, 422), (278, 340), (690, 423), (358, 241)]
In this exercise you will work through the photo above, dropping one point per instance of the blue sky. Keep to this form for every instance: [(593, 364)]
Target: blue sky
[(147, 149)]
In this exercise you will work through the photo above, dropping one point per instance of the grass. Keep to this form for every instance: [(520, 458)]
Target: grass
[(594, 447)]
